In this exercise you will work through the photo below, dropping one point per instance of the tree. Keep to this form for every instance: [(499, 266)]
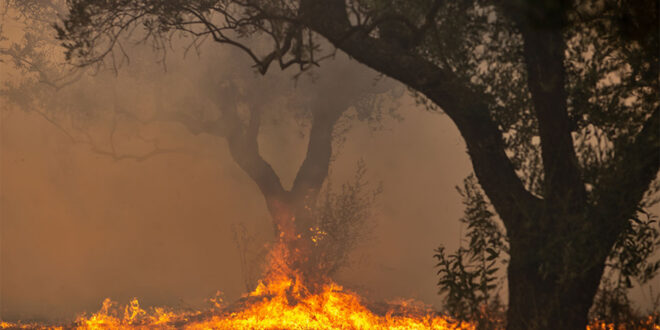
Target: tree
[(241, 104), (557, 103)]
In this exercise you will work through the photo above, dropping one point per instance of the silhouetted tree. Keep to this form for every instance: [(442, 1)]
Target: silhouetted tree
[(240, 103), (572, 86)]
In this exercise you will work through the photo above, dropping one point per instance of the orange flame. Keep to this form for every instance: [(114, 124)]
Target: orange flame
[(651, 322), (280, 301)]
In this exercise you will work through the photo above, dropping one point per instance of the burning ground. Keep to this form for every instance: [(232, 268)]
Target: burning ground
[(280, 301)]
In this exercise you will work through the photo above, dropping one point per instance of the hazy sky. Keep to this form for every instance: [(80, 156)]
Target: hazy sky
[(78, 226)]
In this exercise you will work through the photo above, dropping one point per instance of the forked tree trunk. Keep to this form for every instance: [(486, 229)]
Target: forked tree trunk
[(290, 210), (292, 221)]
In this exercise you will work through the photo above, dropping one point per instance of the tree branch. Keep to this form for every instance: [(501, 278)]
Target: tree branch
[(314, 169), (111, 152), (464, 106), (244, 148), (543, 52), (194, 125), (636, 165)]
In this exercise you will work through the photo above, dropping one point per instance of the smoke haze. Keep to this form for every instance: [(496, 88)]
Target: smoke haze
[(78, 225)]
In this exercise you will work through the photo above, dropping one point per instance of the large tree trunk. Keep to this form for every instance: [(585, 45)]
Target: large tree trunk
[(550, 295), (292, 219), (536, 302)]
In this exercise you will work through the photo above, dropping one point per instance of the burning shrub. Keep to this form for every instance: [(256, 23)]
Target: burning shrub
[(342, 221), (339, 224)]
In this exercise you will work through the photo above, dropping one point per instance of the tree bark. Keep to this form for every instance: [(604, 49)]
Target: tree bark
[(545, 299)]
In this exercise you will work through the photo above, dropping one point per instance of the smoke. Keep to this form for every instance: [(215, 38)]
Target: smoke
[(102, 198)]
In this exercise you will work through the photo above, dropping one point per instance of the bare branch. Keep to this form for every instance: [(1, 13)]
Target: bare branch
[(112, 152)]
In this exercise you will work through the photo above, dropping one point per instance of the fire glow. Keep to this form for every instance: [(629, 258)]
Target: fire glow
[(280, 301)]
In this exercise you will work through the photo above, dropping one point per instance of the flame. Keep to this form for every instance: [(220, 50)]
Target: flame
[(650, 322), (280, 301)]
